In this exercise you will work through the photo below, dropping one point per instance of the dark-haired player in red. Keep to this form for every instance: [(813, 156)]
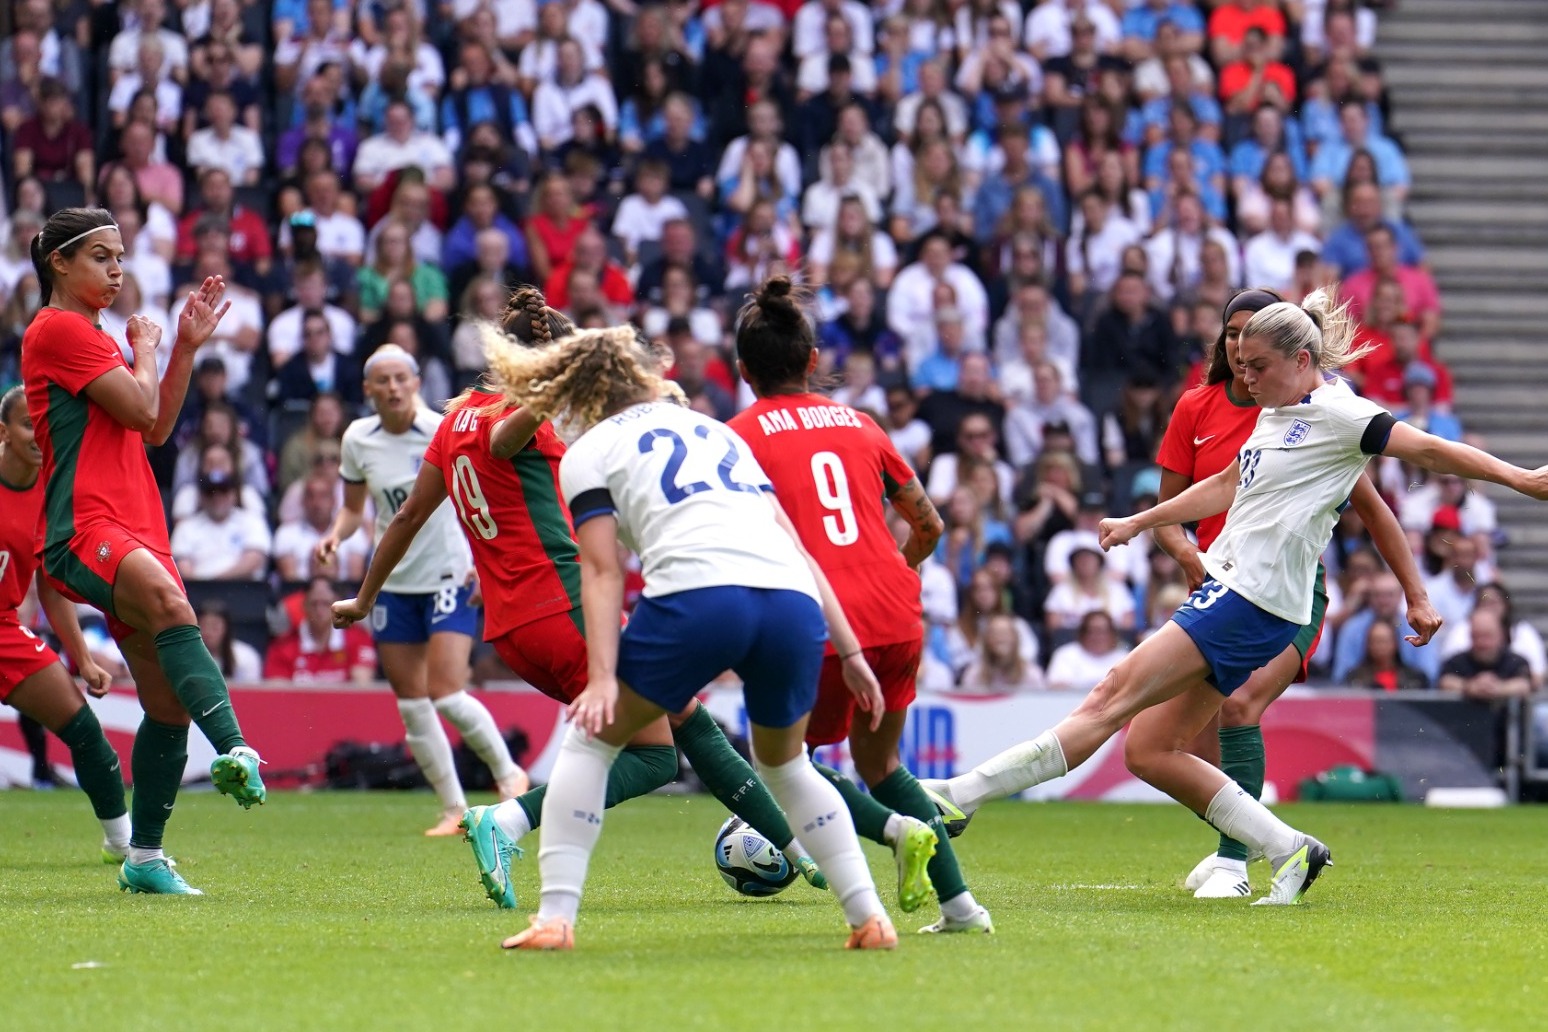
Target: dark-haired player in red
[(832, 468), (500, 466), (1209, 426)]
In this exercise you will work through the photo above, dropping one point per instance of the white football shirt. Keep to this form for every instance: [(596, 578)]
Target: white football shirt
[(688, 496), (388, 464), (1297, 470)]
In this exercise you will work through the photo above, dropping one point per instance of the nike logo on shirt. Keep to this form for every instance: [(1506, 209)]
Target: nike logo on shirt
[(1200, 440)]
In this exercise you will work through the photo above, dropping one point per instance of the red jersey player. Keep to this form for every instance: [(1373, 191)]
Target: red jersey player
[(104, 536), (1209, 426), (831, 468), (31, 677)]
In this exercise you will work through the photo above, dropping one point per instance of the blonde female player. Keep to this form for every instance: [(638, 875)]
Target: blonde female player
[(425, 619), (727, 586), (1284, 492), (104, 534)]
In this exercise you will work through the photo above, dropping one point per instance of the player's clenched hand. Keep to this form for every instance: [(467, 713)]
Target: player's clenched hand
[(142, 333), (1425, 621), (1115, 532), (202, 313), (1193, 569), (97, 679), (862, 685), (350, 611), (592, 709), (326, 549)]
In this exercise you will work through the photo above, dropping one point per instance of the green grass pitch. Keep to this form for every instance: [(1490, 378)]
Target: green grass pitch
[(331, 911)]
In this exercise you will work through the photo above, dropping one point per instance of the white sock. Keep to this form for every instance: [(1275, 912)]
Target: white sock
[(795, 849), (572, 821), (139, 855), (892, 829), (959, 908), (115, 832), (817, 812), (432, 751), (1235, 813), (478, 728), (512, 819), (1231, 865), (1013, 771)]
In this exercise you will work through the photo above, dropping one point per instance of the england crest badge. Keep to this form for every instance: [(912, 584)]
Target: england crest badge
[(1298, 432)]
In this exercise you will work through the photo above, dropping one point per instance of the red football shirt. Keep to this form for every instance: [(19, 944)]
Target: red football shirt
[(833, 470), (19, 510), (512, 514), (297, 657), (95, 467), (1207, 430)]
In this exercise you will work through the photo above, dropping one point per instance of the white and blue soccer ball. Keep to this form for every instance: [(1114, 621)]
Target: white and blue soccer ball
[(750, 863)]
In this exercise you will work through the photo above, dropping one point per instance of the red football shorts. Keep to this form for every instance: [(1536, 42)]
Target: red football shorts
[(98, 549), (549, 654), (897, 670), (22, 654)]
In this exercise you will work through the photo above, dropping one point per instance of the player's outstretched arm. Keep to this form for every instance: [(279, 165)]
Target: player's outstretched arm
[(1393, 545), (61, 617), (1440, 456), (602, 593), (429, 491), (1172, 539), (512, 433), (925, 525), (1205, 498)]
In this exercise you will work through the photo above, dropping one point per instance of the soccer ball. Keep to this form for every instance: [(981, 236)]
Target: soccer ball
[(749, 862)]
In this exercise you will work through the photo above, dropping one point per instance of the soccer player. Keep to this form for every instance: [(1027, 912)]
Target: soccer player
[(1284, 491), (831, 469), (1209, 426), (31, 676), (104, 535), (727, 586), (425, 619)]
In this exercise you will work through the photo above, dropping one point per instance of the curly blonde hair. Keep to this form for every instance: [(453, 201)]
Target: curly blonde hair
[(584, 377)]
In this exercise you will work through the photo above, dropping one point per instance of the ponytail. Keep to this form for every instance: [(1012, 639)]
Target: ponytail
[(1320, 326), (529, 319)]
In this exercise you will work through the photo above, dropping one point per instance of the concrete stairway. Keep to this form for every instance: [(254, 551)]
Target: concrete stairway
[(1469, 87)]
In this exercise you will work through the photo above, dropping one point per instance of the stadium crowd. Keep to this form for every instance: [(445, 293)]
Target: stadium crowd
[(1019, 223)]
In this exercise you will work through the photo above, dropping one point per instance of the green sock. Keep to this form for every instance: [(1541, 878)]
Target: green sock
[(730, 778), (639, 770), (1242, 759), (97, 767), (869, 815), (160, 754), (900, 791), (197, 681)]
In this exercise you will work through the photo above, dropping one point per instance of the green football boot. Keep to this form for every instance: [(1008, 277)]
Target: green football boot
[(913, 849), (492, 851), (155, 877), (236, 774)]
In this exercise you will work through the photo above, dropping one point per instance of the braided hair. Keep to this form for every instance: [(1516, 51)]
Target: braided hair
[(529, 319)]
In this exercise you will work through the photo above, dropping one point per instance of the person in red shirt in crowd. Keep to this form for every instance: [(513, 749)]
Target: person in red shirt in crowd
[(250, 244), (1229, 24), (1256, 79), (834, 472), (1421, 299), (679, 334), (53, 144), (554, 227), (314, 652), (1383, 377), (590, 255)]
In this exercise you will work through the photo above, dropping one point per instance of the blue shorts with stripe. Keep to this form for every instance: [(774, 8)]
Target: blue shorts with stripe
[(399, 618), (773, 639), (1235, 636)]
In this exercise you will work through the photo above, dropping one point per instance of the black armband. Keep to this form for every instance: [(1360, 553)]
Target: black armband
[(1374, 440)]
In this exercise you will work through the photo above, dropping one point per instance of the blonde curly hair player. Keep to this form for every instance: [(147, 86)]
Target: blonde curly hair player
[(727, 586)]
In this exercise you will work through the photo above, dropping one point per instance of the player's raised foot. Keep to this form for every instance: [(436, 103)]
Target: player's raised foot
[(553, 934), (236, 774), (913, 849), (979, 921), (155, 877), (876, 933), (514, 785), (1223, 883), (809, 870), (449, 824), (955, 818), (492, 851), (1294, 873)]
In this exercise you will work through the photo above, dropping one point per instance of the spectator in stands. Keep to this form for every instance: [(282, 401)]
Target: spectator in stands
[(1132, 338), (401, 40), (679, 302), (1016, 173), (240, 333), (1331, 165), (689, 159), (640, 118), (159, 181), (643, 215), (977, 442), (400, 145), (909, 434), (1182, 94), (1381, 666), (1230, 22), (478, 94), (1449, 499), (1256, 80), (318, 368), (1080, 664), (311, 286), (1027, 423), (1132, 431), (239, 662), (1421, 299), (480, 211), (1489, 670), (690, 371), (220, 429), (763, 245), (16, 255), (249, 237), (56, 54), (221, 541), (589, 256), (1524, 640), (573, 88), (853, 233), (1144, 21), (1270, 255), (1032, 303), (858, 388), (1276, 182), (220, 65), (862, 327), (21, 72), (147, 78), (1092, 254), (491, 260), (1088, 589), (318, 106), (1150, 75), (816, 71), (555, 227), (1002, 665), (940, 369), (1383, 601), (395, 260), (539, 60), (980, 600), (149, 21), (54, 145), (910, 302), (970, 530), (225, 144), (975, 392), (1454, 590), (1176, 252), (1419, 382), (339, 233), (314, 652), (1052, 29), (809, 31), (1344, 248), (325, 421)]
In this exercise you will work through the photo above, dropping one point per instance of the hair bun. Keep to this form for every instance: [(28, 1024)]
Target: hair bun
[(778, 286)]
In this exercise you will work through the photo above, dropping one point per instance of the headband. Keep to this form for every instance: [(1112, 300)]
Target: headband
[(83, 236), (1253, 300), (389, 353)]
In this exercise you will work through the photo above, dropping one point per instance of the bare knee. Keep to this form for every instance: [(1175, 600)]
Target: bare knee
[(1108, 703), (1239, 710), (874, 769), (166, 606), (1142, 758)]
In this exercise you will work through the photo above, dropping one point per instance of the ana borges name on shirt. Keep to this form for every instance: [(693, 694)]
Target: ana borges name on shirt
[(812, 417)]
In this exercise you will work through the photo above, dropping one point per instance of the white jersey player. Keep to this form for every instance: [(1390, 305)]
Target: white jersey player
[(424, 623)]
